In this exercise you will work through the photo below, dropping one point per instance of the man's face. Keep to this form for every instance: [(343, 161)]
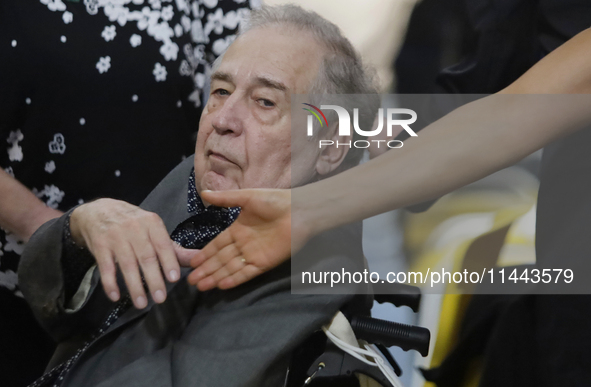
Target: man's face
[(244, 138)]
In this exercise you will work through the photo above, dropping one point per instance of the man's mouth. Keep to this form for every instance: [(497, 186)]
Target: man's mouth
[(219, 156)]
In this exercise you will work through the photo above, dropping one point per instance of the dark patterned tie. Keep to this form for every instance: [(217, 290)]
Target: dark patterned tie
[(205, 223)]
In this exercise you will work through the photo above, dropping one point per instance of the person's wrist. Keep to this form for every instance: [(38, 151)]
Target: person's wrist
[(40, 216), (75, 229), (305, 211)]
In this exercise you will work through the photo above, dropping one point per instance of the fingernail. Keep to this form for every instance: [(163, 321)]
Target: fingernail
[(114, 296), (173, 275), (159, 296), (141, 302)]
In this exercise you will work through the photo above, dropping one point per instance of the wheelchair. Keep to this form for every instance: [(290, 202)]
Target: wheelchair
[(321, 363)]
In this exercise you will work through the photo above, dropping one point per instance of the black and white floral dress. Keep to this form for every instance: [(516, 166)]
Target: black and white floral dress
[(98, 98)]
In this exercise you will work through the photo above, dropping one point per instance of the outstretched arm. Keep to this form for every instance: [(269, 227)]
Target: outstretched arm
[(470, 143)]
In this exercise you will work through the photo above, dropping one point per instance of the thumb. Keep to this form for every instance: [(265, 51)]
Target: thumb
[(231, 198), (184, 255)]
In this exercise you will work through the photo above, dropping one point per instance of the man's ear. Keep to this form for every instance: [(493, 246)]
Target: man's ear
[(332, 156)]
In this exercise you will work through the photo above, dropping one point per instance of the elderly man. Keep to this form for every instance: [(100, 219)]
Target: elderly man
[(180, 336)]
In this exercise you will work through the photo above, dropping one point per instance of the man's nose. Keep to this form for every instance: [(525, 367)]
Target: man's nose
[(229, 118)]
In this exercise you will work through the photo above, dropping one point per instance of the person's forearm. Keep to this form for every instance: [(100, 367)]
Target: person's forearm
[(448, 154), (21, 212), (466, 145)]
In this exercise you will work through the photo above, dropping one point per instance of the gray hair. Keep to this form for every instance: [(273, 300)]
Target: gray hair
[(341, 72)]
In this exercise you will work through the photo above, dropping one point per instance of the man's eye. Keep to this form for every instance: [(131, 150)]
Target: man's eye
[(221, 92), (265, 102)]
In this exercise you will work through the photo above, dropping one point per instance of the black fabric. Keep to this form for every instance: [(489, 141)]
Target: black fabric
[(507, 47), (426, 51), (512, 36), (531, 340), (25, 348), (98, 100), (492, 317)]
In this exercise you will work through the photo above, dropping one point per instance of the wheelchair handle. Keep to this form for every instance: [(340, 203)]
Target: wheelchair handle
[(398, 294), (389, 333)]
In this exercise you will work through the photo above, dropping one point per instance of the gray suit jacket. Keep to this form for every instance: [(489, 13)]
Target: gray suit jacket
[(239, 337)]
